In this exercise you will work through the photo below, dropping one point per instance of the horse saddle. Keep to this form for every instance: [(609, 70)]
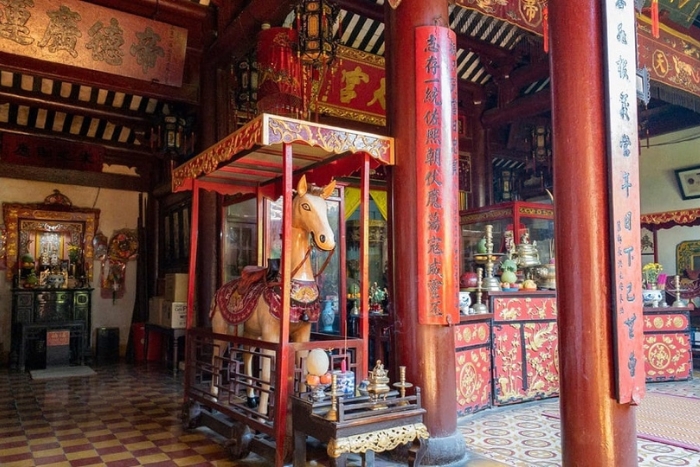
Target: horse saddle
[(249, 276), (253, 274)]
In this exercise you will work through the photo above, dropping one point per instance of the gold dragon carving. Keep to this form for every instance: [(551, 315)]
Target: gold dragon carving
[(377, 441)]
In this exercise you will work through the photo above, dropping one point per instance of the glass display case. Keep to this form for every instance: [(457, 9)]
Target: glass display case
[(513, 223), (240, 238)]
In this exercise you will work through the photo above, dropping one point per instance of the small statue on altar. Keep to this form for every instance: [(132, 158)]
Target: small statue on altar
[(525, 238)]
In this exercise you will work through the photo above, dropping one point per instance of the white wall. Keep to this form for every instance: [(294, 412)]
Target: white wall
[(659, 188), (118, 210)]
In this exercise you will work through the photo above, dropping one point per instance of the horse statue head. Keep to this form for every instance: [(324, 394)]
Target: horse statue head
[(309, 213)]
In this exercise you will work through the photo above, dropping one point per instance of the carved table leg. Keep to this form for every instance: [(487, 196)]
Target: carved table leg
[(368, 459), (339, 461), (299, 449), (416, 452)]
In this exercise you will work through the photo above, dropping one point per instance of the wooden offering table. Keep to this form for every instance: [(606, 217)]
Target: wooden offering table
[(362, 427), (667, 350)]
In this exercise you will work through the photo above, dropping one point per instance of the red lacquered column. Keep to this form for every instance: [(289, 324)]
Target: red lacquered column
[(426, 350), (596, 430)]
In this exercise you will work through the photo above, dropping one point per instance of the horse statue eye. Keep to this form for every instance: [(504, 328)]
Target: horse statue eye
[(306, 207)]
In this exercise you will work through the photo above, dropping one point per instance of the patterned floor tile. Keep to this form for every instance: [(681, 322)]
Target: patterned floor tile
[(129, 416)]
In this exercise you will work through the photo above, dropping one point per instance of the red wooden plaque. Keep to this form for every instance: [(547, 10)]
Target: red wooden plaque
[(666, 57), (623, 166), (436, 175), (94, 37), (24, 150), (526, 14), (355, 88), (56, 338)]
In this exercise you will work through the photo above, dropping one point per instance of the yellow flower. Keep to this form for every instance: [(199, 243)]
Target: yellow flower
[(652, 267)]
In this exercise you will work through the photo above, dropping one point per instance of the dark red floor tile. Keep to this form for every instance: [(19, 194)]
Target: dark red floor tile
[(110, 450), (15, 458), (104, 437), (44, 446), (50, 460), (123, 463), (78, 447), (86, 461), (145, 452)]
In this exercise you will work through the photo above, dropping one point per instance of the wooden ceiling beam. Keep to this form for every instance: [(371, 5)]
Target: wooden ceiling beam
[(240, 37), (524, 107), (123, 117), (133, 155), (188, 93), (76, 177)]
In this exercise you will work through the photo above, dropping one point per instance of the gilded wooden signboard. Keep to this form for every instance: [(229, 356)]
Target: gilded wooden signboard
[(672, 59), (623, 176), (90, 36), (436, 175), (526, 14), (355, 88)]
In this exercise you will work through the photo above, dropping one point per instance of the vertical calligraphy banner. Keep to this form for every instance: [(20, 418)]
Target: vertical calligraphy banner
[(437, 175), (623, 169)]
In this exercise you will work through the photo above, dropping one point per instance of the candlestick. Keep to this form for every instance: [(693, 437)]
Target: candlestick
[(479, 307)]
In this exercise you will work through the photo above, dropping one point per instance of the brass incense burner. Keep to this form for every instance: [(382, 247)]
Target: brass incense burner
[(378, 386)]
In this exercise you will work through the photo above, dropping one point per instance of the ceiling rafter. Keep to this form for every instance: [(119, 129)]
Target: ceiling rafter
[(134, 120), (527, 106), (188, 93), (136, 155), (236, 40)]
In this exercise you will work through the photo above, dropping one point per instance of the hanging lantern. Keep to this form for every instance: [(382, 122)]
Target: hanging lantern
[(173, 134), (541, 145), (315, 21), (279, 91), (247, 78), (173, 127)]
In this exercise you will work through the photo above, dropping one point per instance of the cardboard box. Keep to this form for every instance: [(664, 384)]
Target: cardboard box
[(176, 287), (155, 309), (174, 314)]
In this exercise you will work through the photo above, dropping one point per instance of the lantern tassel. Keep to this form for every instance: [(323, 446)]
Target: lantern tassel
[(545, 28), (655, 18)]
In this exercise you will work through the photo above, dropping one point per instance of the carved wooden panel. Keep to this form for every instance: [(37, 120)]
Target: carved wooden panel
[(473, 366), (525, 348), (667, 355)]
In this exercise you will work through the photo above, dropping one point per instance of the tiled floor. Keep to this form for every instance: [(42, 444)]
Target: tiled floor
[(130, 415)]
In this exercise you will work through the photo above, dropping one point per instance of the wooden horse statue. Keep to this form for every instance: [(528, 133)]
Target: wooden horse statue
[(256, 303)]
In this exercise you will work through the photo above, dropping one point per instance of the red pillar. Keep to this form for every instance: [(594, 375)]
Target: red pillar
[(426, 350), (482, 187), (209, 209), (596, 430)]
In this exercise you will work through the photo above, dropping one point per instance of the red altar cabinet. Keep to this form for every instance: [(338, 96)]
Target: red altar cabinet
[(509, 355), (473, 363), (525, 346), (667, 355)]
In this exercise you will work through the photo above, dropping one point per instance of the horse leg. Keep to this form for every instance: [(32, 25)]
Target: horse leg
[(252, 399), (265, 376), (216, 360), (301, 334)]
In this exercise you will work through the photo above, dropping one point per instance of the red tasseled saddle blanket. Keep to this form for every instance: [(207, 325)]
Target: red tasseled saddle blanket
[(237, 299)]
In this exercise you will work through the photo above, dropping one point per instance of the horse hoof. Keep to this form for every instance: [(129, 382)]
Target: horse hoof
[(253, 402)]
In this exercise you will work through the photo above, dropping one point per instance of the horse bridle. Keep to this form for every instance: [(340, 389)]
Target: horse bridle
[(306, 256)]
